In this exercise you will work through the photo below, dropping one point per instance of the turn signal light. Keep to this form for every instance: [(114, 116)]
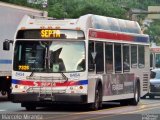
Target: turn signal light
[(80, 87), (16, 86)]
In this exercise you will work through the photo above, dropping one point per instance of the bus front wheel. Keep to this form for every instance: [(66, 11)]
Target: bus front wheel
[(135, 100), (3, 92), (98, 99), (30, 108)]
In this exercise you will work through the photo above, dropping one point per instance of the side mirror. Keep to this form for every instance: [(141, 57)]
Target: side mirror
[(6, 44)]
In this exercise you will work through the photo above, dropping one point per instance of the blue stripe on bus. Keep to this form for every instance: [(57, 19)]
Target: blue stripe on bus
[(83, 82), (141, 39), (5, 61)]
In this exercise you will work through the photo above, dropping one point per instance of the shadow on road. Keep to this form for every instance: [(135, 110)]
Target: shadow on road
[(72, 107)]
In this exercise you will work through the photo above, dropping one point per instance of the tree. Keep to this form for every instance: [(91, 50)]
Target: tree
[(154, 31)]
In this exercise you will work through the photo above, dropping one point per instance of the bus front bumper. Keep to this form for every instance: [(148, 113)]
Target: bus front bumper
[(58, 97)]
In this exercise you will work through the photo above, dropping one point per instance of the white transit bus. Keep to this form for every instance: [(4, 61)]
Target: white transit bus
[(155, 57), (87, 60)]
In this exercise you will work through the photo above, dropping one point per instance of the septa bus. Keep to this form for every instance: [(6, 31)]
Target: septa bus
[(87, 60)]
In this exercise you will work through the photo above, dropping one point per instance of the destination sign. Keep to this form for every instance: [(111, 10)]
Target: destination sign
[(50, 34)]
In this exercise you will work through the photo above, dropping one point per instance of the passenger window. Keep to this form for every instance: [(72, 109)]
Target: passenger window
[(141, 62), (126, 60), (91, 64), (99, 58), (133, 56), (118, 58), (109, 57)]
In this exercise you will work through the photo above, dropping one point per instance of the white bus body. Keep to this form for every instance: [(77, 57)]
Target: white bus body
[(109, 62)]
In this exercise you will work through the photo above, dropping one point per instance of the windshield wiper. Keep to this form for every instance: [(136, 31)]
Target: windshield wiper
[(31, 75)]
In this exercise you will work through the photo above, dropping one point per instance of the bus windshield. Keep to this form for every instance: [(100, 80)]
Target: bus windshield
[(49, 56)]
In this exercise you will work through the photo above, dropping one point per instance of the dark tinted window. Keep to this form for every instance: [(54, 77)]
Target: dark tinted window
[(133, 56), (126, 60), (118, 57), (99, 58), (109, 57), (141, 56)]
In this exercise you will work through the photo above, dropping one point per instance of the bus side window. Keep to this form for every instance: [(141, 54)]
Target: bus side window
[(141, 56), (90, 57), (126, 60), (99, 58), (118, 57), (134, 56), (109, 57)]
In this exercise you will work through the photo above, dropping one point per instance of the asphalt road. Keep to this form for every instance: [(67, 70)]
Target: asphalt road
[(148, 109)]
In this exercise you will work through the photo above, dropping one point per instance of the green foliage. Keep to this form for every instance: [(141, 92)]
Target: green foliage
[(154, 31), (56, 10), (76, 8), (22, 3)]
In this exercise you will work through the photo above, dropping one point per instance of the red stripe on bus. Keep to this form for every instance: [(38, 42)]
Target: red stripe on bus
[(108, 35)]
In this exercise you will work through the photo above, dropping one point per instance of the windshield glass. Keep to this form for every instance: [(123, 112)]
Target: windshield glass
[(49, 56)]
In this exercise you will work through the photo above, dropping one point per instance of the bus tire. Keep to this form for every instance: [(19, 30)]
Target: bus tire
[(135, 100), (3, 92), (98, 99), (30, 108), (124, 102), (9, 94)]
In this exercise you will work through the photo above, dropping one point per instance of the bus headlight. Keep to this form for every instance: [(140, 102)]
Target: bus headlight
[(21, 87)]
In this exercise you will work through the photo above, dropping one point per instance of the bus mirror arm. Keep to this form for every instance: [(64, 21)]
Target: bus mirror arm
[(6, 44)]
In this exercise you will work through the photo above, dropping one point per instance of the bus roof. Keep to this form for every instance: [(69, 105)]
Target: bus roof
[(119, 29), (114, 24), (87, 21)]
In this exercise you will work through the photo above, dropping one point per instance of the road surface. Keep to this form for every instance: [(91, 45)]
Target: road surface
[(148, 109)]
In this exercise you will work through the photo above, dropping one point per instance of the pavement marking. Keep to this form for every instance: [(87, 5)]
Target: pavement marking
[(141, 107), (80, 113), (141, 110), (131, 112)]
